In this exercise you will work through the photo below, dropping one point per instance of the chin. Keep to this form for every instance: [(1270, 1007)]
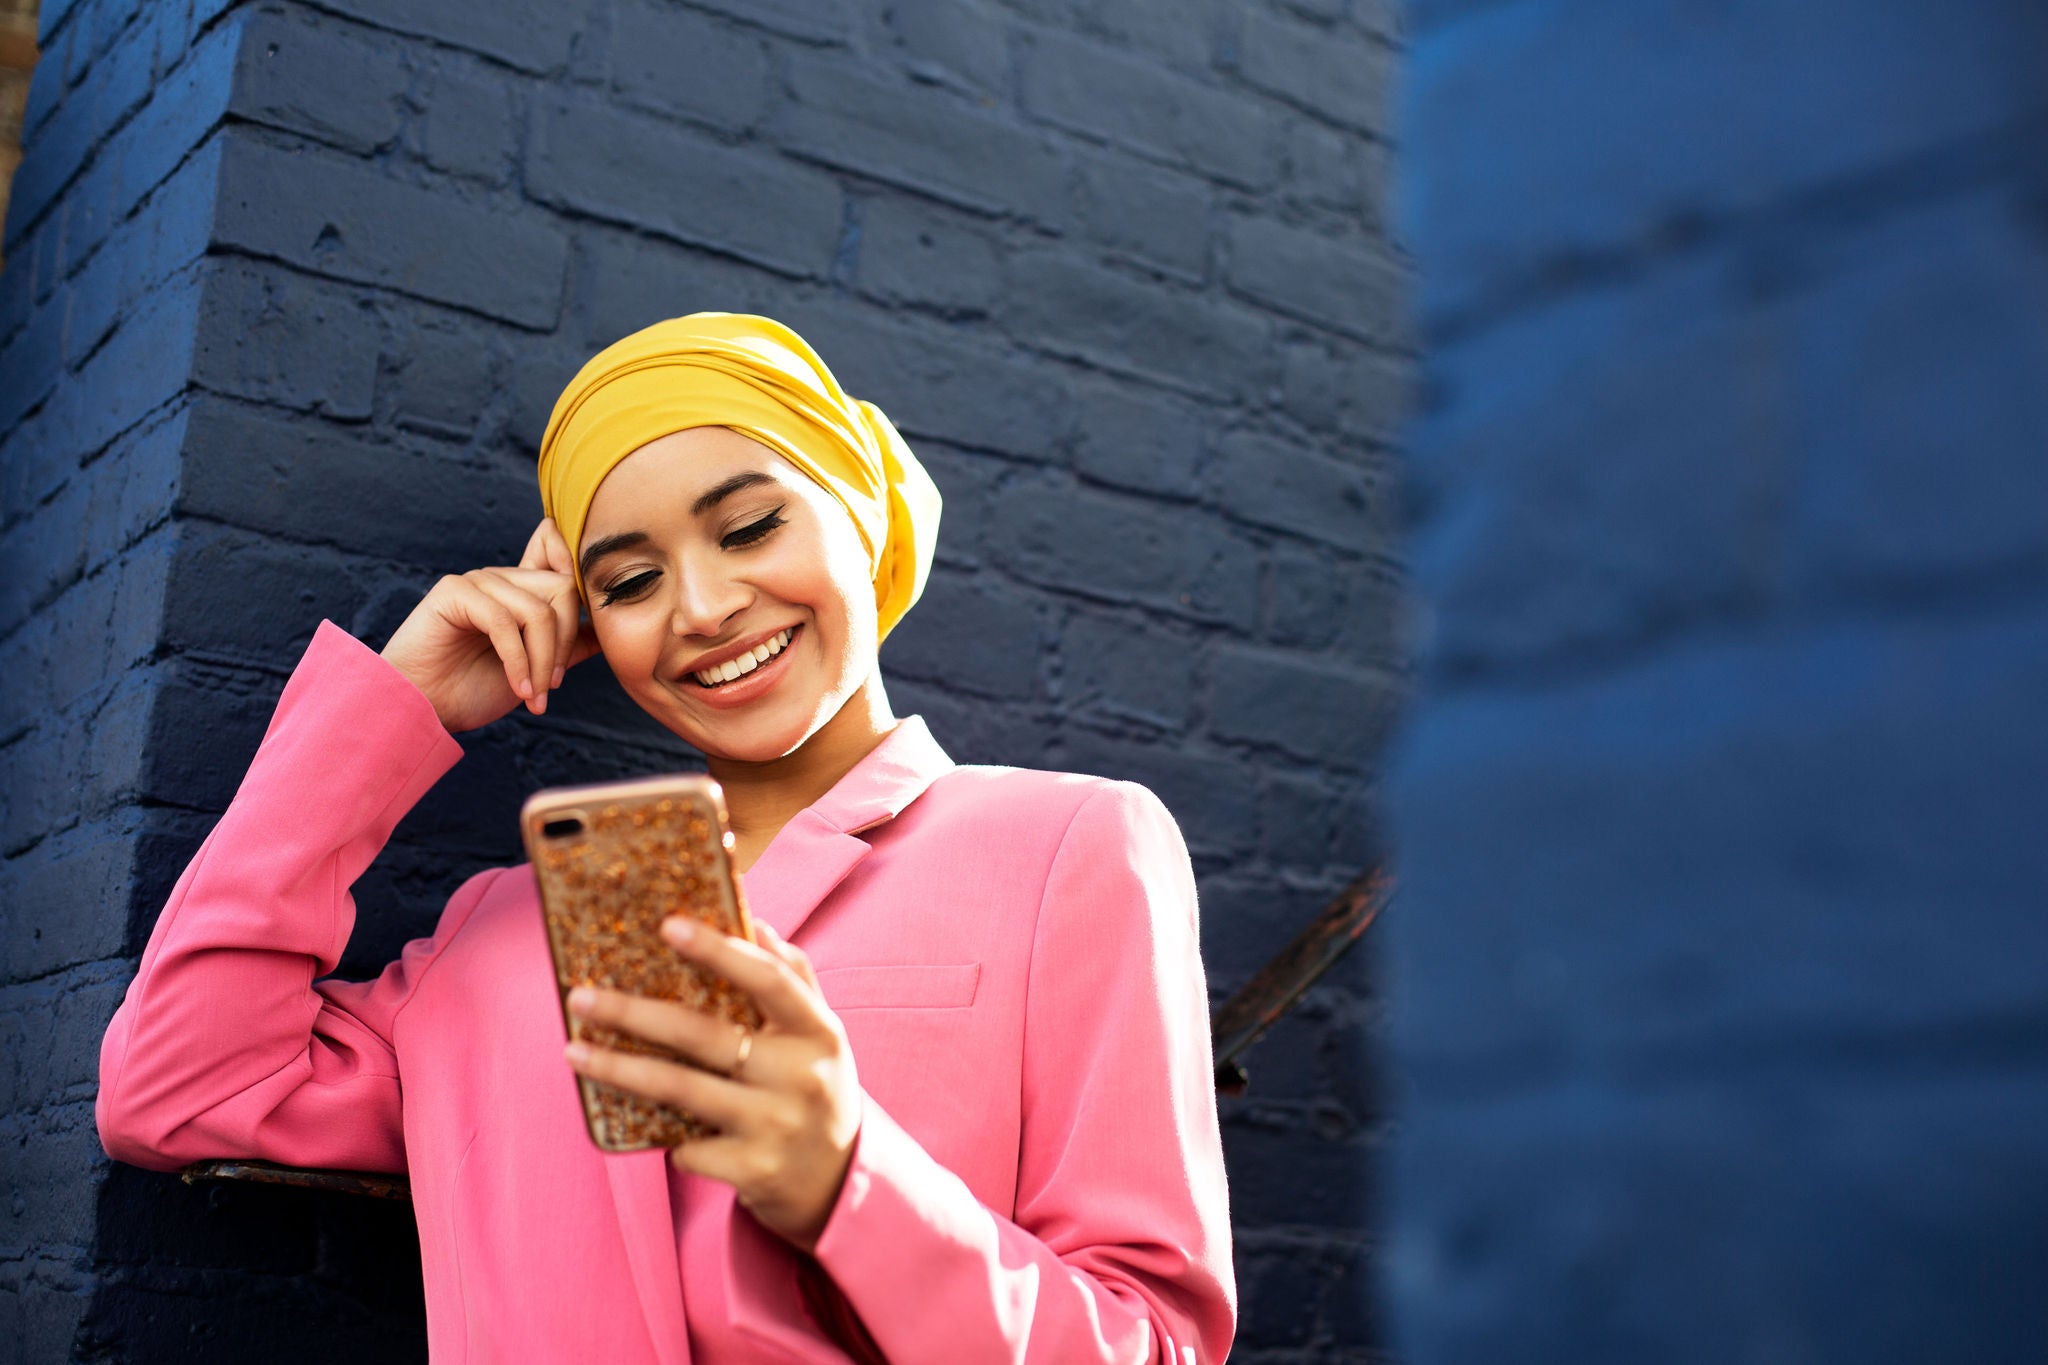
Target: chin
[(750, 738)]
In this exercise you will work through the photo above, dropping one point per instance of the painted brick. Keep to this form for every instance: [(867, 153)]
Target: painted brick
[(1294, 1179), (179, 115), (1080, 310), (1140, 441), (1009, 629), (70, 878), (673, 61), (1656, 540), (1111, 668), (935, 384), (1331, 168), (1347, 285), (913, 252), (1209, 794), (1948, 301), (441, 375), (145, 364), (1279, 485), (472, 124), (533, 35), (942, 42), (275, 337), (1097, 92), (1118, 549), (1312, 710), (1516, 145), (1184, 33), (925, 139), (320, 80), (142, 254), (825, 24), (1318, 599), (312, 483), (1842, 1217), (621, 283), (1144, 211), (1331, 74), (249, 598), (349, 221), (1361, 393), (623, 168), (1818, 756)]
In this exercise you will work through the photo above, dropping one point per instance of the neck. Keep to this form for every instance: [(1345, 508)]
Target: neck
[(760, 798)]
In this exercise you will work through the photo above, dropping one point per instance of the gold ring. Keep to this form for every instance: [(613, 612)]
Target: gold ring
[(732, 1073)]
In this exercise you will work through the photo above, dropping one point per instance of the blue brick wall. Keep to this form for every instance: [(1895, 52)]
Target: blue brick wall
[(1716, 987), (290, 290)]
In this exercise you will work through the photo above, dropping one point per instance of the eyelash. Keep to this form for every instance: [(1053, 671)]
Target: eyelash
[(752, 533)]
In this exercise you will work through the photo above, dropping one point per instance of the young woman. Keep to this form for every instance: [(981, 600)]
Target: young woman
[(978, 1122)]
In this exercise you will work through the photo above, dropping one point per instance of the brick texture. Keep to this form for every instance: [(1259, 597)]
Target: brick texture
[(1719, 805), (289, 291)]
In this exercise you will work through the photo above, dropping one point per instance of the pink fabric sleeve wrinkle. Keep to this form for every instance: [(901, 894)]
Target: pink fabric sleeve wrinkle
[(1119, 1250), (226, 1045)]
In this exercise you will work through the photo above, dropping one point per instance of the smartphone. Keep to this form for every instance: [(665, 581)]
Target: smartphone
[(613, 860)]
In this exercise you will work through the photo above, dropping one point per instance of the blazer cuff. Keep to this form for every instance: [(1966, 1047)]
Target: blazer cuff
[(897, 1195), (345, 698)]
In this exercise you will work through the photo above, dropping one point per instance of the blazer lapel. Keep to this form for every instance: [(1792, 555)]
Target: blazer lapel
[(814, 852), (640, 1190), (801, 866)]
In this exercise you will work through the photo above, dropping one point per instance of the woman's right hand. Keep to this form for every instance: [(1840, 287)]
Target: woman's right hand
[(480, 643)]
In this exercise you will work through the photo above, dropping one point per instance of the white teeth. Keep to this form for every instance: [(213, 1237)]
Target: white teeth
[(745, 663)]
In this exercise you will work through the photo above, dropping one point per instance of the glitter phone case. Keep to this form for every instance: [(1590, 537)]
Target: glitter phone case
[(613, 860)]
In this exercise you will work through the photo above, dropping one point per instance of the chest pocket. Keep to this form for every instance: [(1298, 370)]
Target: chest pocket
[(900, 986)]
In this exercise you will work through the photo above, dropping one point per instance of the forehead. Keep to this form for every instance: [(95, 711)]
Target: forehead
[(668, 474)]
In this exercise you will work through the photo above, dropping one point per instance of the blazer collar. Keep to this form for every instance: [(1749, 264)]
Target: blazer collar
[(813, 853), (807, 858)]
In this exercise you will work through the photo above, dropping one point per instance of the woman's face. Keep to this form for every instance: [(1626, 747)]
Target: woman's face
[(705, 550)]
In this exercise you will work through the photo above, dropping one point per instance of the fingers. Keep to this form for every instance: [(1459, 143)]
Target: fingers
[(524, 631), (711, 1043), (799, 961), (787, 1001), (548, 617), (546, 549), (723, 1103)]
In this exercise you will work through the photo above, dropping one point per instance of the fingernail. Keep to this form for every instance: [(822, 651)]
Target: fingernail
[(577, 1053), (524, 689), (581, 1000), (558, 675), (678, 930)]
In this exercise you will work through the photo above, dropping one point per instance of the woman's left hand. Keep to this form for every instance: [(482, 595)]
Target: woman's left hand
[(787, 1119)]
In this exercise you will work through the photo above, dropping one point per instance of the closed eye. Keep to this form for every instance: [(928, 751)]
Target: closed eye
[(631, 588), (753, 531)]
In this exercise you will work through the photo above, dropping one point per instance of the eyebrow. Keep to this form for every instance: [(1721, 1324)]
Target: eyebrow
[(719, 492), (713, 496)]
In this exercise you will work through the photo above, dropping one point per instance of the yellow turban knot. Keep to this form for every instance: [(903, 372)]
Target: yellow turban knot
[(757, 377)]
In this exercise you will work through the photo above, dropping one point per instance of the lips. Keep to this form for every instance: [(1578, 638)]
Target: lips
[(737, 671)]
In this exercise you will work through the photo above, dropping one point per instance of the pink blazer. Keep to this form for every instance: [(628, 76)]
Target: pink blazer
[(1038, 1175)]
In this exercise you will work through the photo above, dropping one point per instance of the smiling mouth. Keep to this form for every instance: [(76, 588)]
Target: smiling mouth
[(733, 669)]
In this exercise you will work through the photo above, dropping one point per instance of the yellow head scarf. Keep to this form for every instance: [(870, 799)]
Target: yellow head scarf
[(759, 378)]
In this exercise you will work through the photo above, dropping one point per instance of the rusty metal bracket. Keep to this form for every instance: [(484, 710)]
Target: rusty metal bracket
[(368, 1183), (1278, 986)]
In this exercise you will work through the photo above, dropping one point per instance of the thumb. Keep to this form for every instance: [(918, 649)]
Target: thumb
[(584, 646), (797, 959)]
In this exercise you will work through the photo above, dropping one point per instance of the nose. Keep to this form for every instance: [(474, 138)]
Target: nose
[(705, 600)]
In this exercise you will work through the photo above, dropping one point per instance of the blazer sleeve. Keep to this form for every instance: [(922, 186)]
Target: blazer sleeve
[(1119, 1250), (227, 1044)]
